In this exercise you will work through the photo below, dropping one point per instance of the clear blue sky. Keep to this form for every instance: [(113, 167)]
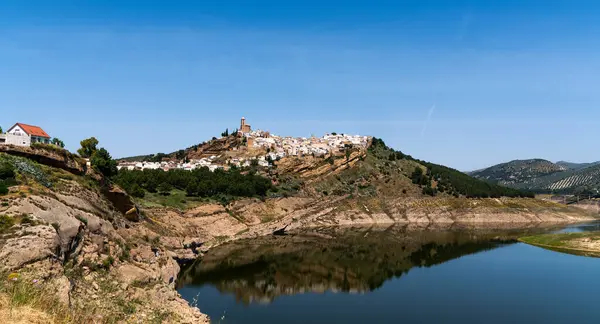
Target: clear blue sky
[(463, 83)]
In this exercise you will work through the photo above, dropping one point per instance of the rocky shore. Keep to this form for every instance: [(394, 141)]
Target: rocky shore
[(96, 258)]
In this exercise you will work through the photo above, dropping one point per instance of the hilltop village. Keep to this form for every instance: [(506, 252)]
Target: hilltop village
[(259, 147)]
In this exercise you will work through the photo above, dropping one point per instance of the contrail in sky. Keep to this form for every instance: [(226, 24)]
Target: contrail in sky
[(426, 123)]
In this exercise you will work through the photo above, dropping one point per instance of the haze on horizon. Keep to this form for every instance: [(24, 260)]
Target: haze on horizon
[(467, 84)]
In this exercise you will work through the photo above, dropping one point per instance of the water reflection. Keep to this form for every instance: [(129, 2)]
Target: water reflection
[(350, 260), (588, 227)]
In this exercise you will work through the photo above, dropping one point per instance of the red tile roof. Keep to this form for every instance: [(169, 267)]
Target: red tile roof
[(32, 130)]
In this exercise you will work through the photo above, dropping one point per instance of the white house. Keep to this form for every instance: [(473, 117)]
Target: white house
[(25, 135)]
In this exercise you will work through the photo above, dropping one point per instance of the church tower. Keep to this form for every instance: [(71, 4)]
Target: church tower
[(244, 128)]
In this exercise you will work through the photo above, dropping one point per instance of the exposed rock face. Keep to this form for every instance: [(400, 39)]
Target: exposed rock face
[(61, 159), (71, 215), (121, 201), (30, 245), (71, 235)]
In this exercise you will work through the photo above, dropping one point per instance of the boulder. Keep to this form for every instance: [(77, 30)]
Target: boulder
[(30, 245), (129, 273), (121, 201)]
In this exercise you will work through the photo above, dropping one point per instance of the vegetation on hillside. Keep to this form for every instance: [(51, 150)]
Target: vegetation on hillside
[(518, 171), (543, 176), (88, 147), (7, 176), (58, 142), (434, 178), (220, 184)]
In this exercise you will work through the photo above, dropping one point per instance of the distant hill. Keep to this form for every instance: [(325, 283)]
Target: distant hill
[(518, 172), (544, 176), (571, 181), (576, 166)]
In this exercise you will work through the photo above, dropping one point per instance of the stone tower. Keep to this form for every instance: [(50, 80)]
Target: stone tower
[(244, 128)]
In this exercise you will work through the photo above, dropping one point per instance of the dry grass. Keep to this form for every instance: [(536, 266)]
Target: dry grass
[(25, 301), (498, 203), (21, 314)]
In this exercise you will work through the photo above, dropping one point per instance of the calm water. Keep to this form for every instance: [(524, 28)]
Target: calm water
[(395, 275)]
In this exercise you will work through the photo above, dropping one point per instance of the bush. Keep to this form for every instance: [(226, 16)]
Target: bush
[(3, 188), (6, 171), (137, 191), (164, 189), (6, 222)]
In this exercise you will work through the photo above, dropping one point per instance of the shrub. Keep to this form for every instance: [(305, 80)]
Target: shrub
[(56, 226), (164, 189), (82, 219), (137, 191), (3, 188), (27, 219), (7, 171), (106, 263), (6, 222)]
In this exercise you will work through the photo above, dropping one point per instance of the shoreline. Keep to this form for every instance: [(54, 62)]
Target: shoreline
[(579, 243), (412, 226)]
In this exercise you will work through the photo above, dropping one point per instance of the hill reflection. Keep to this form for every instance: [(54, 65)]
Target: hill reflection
[(351, 260)]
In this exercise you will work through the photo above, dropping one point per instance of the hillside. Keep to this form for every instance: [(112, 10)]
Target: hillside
[(95, 254), (544, 176), (216, 146), (518, 172), (373, 172), (73, 250), (584, 180), (576, 166)]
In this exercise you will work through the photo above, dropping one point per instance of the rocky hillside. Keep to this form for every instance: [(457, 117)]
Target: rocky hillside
[(78, 249), (216, 146), (66, 250), (544, 176)]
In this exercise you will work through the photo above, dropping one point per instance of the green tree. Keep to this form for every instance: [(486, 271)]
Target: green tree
[(88, 147), (102, 162), (137, 191), (0, 129), (3, 188), (164, 189), (56, 141), (225, 133), (192, 188)]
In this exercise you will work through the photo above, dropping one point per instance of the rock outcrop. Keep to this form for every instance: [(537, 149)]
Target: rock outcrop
[(48, 155)]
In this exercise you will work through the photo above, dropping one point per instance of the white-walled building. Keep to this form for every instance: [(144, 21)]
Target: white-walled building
[(36, 134), (24, 135)]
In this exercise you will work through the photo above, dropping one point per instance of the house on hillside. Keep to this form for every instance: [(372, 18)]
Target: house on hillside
[(24, 135)]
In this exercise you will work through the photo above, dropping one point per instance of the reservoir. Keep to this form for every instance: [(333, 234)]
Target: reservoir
[(396, 274)]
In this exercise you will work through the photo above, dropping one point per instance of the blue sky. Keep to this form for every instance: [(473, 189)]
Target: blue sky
[(462, 83)]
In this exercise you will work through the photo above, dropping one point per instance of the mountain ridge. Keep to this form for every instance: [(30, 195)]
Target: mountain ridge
[(544, 176)]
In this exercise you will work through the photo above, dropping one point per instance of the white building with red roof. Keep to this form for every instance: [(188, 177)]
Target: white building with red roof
[(24, 135)]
